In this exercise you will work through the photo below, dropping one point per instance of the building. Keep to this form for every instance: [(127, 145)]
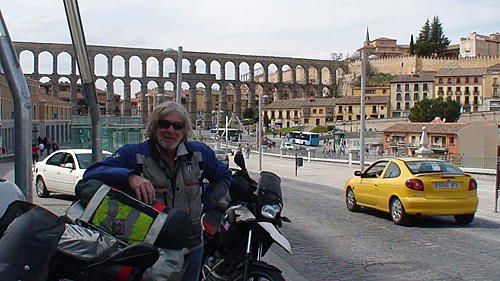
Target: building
[(474, 139), (380, 90), (476, 45), (461, 84), (51, 116), (349, 108), (385, 47), (491, 88), (406, 90), (299, 112)]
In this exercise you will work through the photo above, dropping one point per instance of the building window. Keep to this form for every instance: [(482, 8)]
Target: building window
[(382, 107), (407, 87), (457, 99), (321, 111), (467, 90), (415, 87), (340, 109), (407, 96), (398, 97), (448, 91), (314, 111), (466, 100), (449, 81), (416, 96), (466, 79), (398, 87), (350, 109), (476, 91), (306, 120), (452, 140), (407, 105), (458, 80), (476, 100), (384, 91), (440, 80), (495, 81), (495, 92), (374, 109), (440, 91), (476, 80), (425, 87), (398, 106)]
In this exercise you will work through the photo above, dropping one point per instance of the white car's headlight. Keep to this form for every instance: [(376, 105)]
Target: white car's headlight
[(270, 211)]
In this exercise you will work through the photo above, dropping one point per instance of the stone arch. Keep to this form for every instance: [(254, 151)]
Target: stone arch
[(168, 66), (63, 63), (229, 71), (46, 63), (135, 87), (301, 92), (286, 92), (101, 84), (272, 73), (135, 66), (201, 66), (300, 75), (244, 68), (45, 79), (152, 67), (326, 77), (119, 87), (118, 66), (101, 65), (186, 66), (215, 68), (258, 72), (63, 79), (169, 86), (325, 92), (286, 74), (313, 75), (27, 61)]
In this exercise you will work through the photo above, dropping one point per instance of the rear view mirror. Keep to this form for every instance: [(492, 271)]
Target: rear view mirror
[(239, 160), (358, 173)]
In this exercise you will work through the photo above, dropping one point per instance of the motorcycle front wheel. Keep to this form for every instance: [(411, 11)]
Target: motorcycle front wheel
[(257, 274)]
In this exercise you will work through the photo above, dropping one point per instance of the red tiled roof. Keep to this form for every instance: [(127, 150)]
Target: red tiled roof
[(436, 128)]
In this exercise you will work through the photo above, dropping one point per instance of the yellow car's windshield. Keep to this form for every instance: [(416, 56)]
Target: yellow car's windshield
[(426, 166)]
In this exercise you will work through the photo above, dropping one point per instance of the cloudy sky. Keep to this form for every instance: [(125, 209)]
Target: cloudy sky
[(309, 29)]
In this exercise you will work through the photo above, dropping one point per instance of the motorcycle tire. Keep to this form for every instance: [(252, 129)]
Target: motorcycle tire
[(264, 274)]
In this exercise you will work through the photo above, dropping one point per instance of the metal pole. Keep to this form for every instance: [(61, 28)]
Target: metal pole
[(259, 133), (80, 47), (22, 112), (497, 187), (227, 134), (178, 82), (362, 127)]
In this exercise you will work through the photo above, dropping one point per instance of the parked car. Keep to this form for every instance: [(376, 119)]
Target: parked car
[(61, 170), (405, 187), (221, 155)]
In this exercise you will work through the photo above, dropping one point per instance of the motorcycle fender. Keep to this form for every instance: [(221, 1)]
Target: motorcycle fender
[(276, 235)]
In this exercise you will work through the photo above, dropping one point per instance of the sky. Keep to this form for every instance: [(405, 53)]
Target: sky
[(290, 28)]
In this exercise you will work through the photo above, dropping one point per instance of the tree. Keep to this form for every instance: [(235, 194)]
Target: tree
[(438, 40), (426, 110), (248, 113), (337, 56), (422, 47), (412, 46)]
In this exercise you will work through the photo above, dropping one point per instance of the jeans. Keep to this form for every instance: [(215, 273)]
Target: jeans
[(193, 269)]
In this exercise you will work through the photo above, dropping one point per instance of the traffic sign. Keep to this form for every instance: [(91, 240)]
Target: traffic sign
[(217, 137)]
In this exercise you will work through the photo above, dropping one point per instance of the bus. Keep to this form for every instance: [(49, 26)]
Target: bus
[(305, 138), (234, 134)]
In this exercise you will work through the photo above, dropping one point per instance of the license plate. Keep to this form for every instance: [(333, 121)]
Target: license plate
[(446, 184)]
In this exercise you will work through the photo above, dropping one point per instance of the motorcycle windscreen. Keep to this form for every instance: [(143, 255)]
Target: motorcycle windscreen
[(269, 189), (28, 244)]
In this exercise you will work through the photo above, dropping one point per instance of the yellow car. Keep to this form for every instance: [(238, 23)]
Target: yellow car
[(413, 186)]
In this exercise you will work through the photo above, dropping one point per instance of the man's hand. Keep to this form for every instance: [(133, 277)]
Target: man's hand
[(144, 190)]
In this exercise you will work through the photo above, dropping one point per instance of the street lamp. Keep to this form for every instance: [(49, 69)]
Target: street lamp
[(178, 75), (259, 133)]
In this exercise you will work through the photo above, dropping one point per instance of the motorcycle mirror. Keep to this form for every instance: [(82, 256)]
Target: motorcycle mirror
[(239, 160)]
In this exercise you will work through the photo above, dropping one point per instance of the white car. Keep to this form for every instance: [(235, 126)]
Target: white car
[(287, 146), (61, 170)]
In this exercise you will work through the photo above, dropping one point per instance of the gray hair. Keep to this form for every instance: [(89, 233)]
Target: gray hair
[(162, 110)]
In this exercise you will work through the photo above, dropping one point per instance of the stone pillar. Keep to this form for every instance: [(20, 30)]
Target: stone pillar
[(320, 77), (208, 107), (237, 73), (192, 106), (160, 68), (294, 76), (54, 86), (73, 98), (207, 68), (237, 101), (110, 105), (333, 77), (35, 63), (223, 72), (252, 104), (306, 74), (223, 106), (110, 67), (73, 66), (127, 66), (143, 65), (192, 68), (144, 104), (252, 74), (280, 75), (266, 75), (54, 64), (127, 105)]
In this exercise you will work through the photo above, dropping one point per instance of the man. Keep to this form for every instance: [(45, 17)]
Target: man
[(168, 168)]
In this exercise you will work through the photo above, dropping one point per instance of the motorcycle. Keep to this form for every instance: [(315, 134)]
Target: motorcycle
[(37, 245), (237, 239)]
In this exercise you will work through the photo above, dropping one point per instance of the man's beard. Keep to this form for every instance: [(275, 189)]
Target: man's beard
[(168, 146)]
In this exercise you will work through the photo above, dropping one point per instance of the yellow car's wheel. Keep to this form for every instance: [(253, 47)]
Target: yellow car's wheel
[(398, 213), (350, 201)]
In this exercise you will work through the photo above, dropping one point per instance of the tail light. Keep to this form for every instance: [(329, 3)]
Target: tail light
[(415, 184), (472, 184)]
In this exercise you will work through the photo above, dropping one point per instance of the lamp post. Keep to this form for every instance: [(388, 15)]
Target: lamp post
[(259, 133), (178, 73)]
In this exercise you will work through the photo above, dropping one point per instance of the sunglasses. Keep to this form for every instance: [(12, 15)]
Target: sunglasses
[(165, 124)]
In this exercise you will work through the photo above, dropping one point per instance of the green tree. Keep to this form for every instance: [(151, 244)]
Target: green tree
[(248, 113), (437, 39), (412, 46), (426, 110), (422, 47)]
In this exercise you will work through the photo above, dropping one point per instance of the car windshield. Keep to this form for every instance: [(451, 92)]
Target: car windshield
[(420, 167), (218, 151), (85, 159)]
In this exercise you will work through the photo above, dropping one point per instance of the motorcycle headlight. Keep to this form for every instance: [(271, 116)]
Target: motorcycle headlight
[(270, 211)]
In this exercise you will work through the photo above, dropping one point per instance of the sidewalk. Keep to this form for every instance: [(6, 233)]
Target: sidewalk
[(335, 174)]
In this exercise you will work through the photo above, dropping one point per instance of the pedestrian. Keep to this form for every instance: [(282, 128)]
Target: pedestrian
[(34, 152), (41, 148), (55, 146), (167, 160), (48, 146)]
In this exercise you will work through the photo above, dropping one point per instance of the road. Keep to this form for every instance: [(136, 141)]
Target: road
[(331, 243)]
